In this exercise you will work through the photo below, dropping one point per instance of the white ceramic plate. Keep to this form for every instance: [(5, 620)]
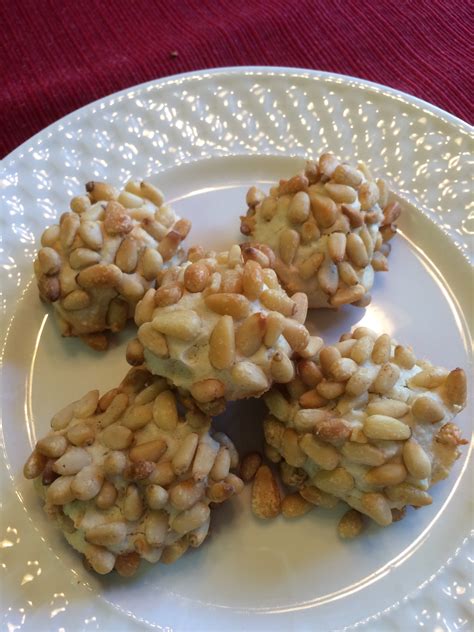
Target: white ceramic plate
[(204, 138)]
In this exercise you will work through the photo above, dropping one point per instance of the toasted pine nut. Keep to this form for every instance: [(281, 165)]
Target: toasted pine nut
[(87, 483), (252, 280), (312, 399), (376, 507), (386, 378), (341, 193), (183, 324), (116, 437), (107, 496), (347, 295), (337, 246), (72, 461), (34, 465), (114, 410), (291, 450), (305, 420), (274, 328), (50, 236), (324, 455), (361, 381), (299, 209), (379, 262), (173, 552), (332, 430), (149, 451), (153, 340), (416, 460), (328, 277), (135, 352), (345, 347), (296, 334), (110, 533), (338, 481), (344, 174), (101, 560), (309, 372), (288, 245), (49, 261), (197, 536), (317, 497), (329, 389), (324, 209), (431, 377), (294, 506), (311, 265), (68, 227), (389, 407), (249, 336), (387, 428), (132, 504), (225, 441), (382, 349), (227, 304), (137, 416), (168, 295), (190, 519), (185, 454), (314, 345), (222, 344), (165, 411), (254, 196), (208, 390), (387, 474), (365, 454), (273, 431), (266, 502), (362, 349), (356, 251), (52, 446), (268, 208), (49, 288), (342, 369), (427, 409), (347, 273), (350, 525), (409, 495), (127, 564), (404, 357), (196, 277), (115, 463), (221, 466), (60, 492), (249, 466), (99, 275), (204, 458), (282, 368), (456, 387), (249, 377), (185, 494), (220, 492), (277, 300)]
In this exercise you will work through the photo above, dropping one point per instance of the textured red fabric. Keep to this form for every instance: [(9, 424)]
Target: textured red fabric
[(58, 55)]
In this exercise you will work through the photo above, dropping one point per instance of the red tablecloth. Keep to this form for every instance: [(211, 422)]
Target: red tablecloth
[(58, 55)]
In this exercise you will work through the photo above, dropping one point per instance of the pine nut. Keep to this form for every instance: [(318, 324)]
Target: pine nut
[(87, 483), (343, 369), (135, 353), (137, 416), (379, 262), (324, 455), (376, 507), (337, 246), (345, 296), (116, 437), (115, 463), (197, 536), (206, 391), (350, 525), (53, 446), (165, 411), (388, 407), (60, 491), (254, 196), (409, 495), (328, 277), (35, 465), (294, 506), (100, 275), (337, 482), (386, 378), (311, 265), (404, 357), (317, 497), (273, 431), (324, 209), (300, 207), (132, 504), (266, 501), (174, 551), (190, 519), (330, 390), (68, 227), (361, 381), (196, 277), (185, 454), (382, 349), (81, 434), (387, 474), (72, 461), (109, 534), (431, 377), (341, 193), (204, 458), (49, 261), (221, 466), (344, 174), (288, 245), (356, 251), (107, 496), (114, 410), (309, 372), (427, 410), (309, 231), (456, 387), (416, 460), (364, 454), (274, 328), (282, 368), (249, 377), (227, 304), (312, 399), (314, 345), (249, 336), (391, 212), (362, 349), (149, 451), (387, 428), (290, 449), (153, 340)]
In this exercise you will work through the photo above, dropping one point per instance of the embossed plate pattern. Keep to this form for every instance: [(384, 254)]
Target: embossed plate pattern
[(204, 137)]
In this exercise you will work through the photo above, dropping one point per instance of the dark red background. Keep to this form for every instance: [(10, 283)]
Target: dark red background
[(58, 55)]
